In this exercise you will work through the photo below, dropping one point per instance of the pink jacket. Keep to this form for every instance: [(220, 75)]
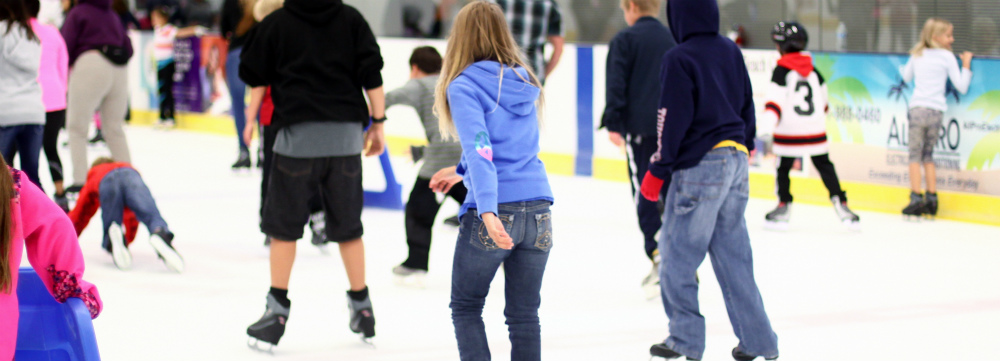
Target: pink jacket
[(53, 75), (54, 252)]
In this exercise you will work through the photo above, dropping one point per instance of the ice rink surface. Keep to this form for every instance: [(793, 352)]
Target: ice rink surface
[(895, 291)]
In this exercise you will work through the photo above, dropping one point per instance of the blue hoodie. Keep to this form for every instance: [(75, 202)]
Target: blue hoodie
[(706, 96), (497, 124)]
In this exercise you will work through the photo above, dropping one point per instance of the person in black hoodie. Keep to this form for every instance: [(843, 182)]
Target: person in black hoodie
[(706, 123), (317, 56)]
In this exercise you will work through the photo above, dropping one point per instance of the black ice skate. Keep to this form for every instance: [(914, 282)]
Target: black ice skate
[(362, 318), (62, 201), (270, 327), (738, 355), (662, 351), (848, 218), (162, 242), (777, 219), (453, 221), (243, 162), (915, 208), (930, 204), (98, 138)]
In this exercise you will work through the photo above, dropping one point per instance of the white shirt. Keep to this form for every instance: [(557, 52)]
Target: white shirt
[(930, 72), (163, 42)]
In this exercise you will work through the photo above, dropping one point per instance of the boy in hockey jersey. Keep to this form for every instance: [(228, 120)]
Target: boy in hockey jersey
[(706, 126), (796, 111)]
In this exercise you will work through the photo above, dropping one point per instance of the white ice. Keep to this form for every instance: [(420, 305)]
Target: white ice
[(895, 291)]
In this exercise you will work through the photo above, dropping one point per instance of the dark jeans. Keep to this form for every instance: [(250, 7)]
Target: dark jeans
[(165, 75), (123, 187), (826, 172), (421, 210), (477, 259), (24, 139), (54, 122), (639, 150), (704, 216), (237, 91)]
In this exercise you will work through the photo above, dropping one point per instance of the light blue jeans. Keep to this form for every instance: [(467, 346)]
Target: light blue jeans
[(704, 215), (477, 259)]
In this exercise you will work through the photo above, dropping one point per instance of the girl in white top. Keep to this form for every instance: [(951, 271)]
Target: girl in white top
[(931, 66)]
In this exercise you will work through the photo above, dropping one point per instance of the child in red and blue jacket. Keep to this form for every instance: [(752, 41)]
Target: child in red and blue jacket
[(118, 190)]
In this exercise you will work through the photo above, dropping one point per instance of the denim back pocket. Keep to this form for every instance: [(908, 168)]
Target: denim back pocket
[(544, 224), (704, 182), (482, 238)]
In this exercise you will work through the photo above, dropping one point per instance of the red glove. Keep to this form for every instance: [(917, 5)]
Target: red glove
[(651, 187)]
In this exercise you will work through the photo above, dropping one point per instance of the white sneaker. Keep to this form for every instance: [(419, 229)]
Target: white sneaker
[(651, 284), (119, 251), (411, 277)]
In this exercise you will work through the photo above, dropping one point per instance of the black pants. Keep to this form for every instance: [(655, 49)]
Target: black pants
[(54, 122), (640, 149), (165, 75), (826, 172), (268, 135), (421, 210)]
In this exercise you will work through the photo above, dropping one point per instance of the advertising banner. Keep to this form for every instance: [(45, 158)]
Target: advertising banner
[(867, 123), (188, 75)]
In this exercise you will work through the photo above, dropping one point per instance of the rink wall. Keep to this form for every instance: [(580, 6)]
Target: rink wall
[(866, 125)]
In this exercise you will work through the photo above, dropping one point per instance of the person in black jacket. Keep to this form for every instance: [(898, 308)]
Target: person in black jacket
[(632, 95), (237, 19), (317, 56)]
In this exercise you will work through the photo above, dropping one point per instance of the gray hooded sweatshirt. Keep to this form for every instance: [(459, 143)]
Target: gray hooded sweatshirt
[(20, 94)]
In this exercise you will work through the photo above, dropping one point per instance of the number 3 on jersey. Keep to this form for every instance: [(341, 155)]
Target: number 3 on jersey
[(808, 98)]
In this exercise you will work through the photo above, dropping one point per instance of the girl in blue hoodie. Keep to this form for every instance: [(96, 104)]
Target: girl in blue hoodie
[(487, 97)]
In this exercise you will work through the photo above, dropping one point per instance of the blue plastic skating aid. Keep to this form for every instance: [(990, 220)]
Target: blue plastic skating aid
[(392, 196), (48, 330)]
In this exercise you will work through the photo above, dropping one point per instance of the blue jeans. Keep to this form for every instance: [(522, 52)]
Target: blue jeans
[(238, 92), (704, 215), (477, 259), (24, 139), (123, 187)]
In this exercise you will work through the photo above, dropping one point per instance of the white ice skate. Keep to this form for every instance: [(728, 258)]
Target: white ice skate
[(410, 277), (651, 284), (848, 218), (119, 251)]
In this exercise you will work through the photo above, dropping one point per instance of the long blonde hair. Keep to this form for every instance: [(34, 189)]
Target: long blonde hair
[(6, 228), (932, 28), (479, 33)]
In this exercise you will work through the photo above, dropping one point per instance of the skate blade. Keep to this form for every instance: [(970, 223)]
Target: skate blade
[(119, 251), (412, 281), (652, 291), (776, 226), (914, 218), (852, 226), (368, 341), (254, 344)]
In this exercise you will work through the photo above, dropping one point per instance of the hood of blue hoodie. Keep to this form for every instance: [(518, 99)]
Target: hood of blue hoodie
[(688, 18), (514, 94), (314, 11)]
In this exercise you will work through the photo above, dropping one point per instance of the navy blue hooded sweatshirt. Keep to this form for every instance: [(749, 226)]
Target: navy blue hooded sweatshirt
[(706, 96)]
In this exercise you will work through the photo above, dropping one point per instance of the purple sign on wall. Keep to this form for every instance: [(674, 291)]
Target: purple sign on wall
[(187, 76)]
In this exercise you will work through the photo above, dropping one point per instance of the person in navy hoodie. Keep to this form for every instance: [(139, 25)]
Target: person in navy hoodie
[(633, 94), (487, 97), (706, 124)]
